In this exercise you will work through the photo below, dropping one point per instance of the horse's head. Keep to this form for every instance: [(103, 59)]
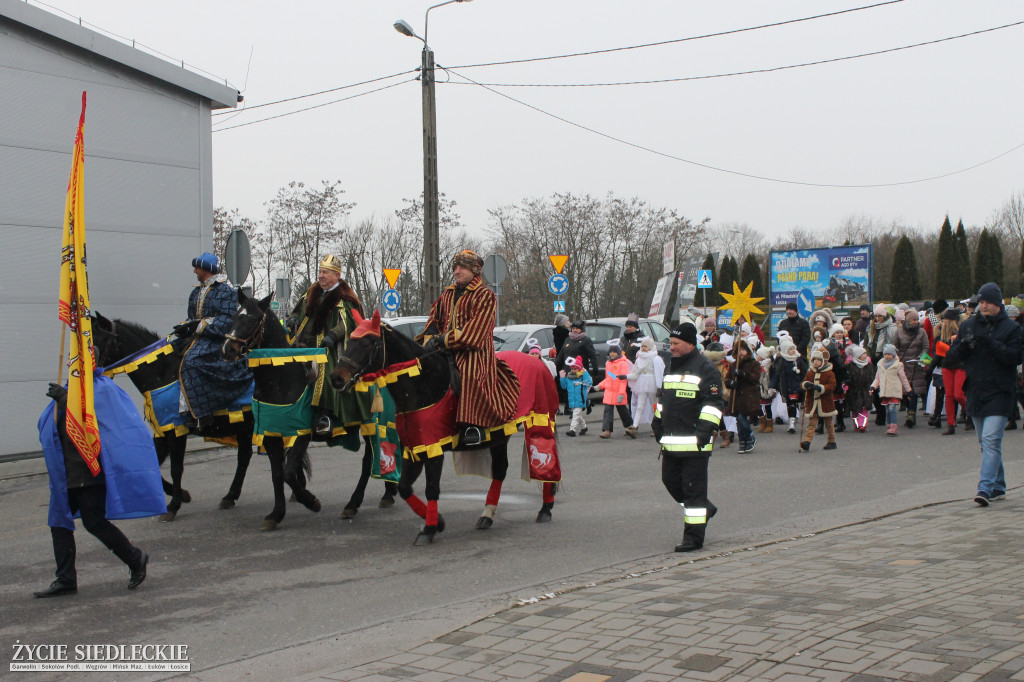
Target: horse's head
[(247, 328), (105, 340), (364, 352)]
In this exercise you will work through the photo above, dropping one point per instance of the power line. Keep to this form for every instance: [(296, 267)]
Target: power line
[(322, 92), (679, 40), (707, 166), (315, 106), (747, 73)]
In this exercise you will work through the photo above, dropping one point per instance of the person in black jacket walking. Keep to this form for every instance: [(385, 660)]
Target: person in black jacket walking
[(798, 328), (560, 333), (689, 411), (989, 344)]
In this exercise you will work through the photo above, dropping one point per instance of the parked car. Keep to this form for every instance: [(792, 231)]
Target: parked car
[(515, 336), (410, 325), (600, 330)]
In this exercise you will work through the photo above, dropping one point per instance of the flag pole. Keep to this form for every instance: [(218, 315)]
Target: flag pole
[(60, 359)]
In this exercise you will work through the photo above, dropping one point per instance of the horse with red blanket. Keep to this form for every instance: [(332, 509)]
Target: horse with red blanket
[(423, 386)]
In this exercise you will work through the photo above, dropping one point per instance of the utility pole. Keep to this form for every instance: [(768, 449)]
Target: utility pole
[(431, 217)]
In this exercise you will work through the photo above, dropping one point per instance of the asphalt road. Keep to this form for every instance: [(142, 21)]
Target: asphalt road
[(321, 592)]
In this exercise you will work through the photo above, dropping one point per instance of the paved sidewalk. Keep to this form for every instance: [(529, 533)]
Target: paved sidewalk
[(935, 593)]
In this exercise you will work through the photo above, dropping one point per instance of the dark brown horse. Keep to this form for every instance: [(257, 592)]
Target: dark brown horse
[(420, 382), (256, 326)]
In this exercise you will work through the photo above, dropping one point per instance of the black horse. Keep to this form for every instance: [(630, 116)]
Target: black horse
[(117, 339), (375, 349), (256, 326)]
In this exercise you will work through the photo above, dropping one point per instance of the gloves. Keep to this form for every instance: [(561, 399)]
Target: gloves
[(819, 388), (434, 343), (806, 385), (739, 373), (657, 428), (292, 325), (967, 340), (186, 329), (772, 392), (329, 340), (56, 391), (729, 383), (703, 440)]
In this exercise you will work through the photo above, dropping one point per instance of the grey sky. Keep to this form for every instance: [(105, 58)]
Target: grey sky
[(882, 119)]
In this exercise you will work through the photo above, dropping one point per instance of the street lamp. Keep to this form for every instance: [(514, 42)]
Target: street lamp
[(431, 219)]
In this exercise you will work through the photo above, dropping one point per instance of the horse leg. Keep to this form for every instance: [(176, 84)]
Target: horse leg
[(275, 453), (244, 437), (297, 465), (433, 521), (176, 450), (548, 498), (499, 467), (356, 501)]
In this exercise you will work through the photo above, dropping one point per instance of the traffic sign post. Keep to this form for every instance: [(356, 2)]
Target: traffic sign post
[(495, 272), (559, 306), (704, 282), (558, 284)]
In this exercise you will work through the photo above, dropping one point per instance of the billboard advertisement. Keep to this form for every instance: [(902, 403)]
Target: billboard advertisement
[(837, 277)]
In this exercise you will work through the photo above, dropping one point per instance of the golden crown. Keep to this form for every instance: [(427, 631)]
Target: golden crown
[(331, 262)]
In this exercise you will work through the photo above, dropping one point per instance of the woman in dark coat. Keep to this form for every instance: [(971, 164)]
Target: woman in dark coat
[(560, 334), (911, 343), (744, 379)]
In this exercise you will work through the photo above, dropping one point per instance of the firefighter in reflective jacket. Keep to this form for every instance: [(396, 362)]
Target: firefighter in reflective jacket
[(687, 415)]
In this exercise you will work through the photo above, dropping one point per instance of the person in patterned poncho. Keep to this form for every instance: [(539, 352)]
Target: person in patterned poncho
[(462, 320), (208, 382), (323, 319)]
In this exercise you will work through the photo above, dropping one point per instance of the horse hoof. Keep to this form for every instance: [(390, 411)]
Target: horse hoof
[(313, 504), (440, 524), (226, 503), (169, 516), (543, 516), (347, 513), (484, 522), (268, 525), (386, 502), (185, 497), (425, 537)]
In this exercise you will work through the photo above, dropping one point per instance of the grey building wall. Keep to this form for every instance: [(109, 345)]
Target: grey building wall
[(148, 192)]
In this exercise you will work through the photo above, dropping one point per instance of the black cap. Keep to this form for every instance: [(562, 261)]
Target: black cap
[(939, 306), (792, 306), (686, 332)]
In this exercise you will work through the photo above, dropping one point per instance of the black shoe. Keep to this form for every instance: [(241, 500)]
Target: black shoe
[(830, 446), (997, 495), (805, 445), (139, 572), (689, 545), (779, 420), (840, 427), (56, 589), (571, 434), (471, 437), (982, 499), (1011, 425), (583, 431)]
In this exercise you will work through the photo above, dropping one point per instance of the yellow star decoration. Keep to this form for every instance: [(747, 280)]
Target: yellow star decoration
[(741, 303)]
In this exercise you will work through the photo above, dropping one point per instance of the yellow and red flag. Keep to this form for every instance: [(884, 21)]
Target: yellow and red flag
[(73, 310)]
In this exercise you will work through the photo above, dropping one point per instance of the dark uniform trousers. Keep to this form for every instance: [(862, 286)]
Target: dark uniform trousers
[(686, 479), (91, 501)]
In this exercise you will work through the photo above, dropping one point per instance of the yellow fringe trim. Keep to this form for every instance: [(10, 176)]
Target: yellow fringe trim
[(145, 360), (289, 441), (416, 453), (277, 362), (390, 377)]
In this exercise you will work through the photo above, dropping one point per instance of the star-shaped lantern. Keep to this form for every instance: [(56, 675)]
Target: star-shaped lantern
[(741, 303)]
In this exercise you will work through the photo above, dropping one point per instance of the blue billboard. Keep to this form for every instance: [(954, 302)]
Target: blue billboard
[(838, 277)]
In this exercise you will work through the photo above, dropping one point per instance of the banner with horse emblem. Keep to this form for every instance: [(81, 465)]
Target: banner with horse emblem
[(73, 310)]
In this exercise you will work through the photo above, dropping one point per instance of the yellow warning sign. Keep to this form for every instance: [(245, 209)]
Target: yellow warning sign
[(392, 275), (558, 262)]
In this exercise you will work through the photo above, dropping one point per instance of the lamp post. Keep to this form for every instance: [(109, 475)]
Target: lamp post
[(431, 218)]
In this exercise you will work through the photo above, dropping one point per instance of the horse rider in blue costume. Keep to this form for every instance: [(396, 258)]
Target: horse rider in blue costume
[(208, 382)]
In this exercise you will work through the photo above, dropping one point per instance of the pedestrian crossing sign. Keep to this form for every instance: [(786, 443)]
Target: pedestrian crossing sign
[(559, 306), (703, 279)]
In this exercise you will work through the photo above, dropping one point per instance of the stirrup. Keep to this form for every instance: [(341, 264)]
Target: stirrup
[(324, 428), (471, 437)]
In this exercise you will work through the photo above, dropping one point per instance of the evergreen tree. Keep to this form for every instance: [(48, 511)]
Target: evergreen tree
[(988, 261), (751, 272), (963, 261), (729, 273), (712, 293), (904, 284), (946, 264)]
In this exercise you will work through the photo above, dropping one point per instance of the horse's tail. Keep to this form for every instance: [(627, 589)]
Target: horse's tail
[(307, 464)]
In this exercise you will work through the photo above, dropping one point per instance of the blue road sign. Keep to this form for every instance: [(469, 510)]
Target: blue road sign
[(392, 299), (559, 306), (558, 284), (703, 279), (805, 302)]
